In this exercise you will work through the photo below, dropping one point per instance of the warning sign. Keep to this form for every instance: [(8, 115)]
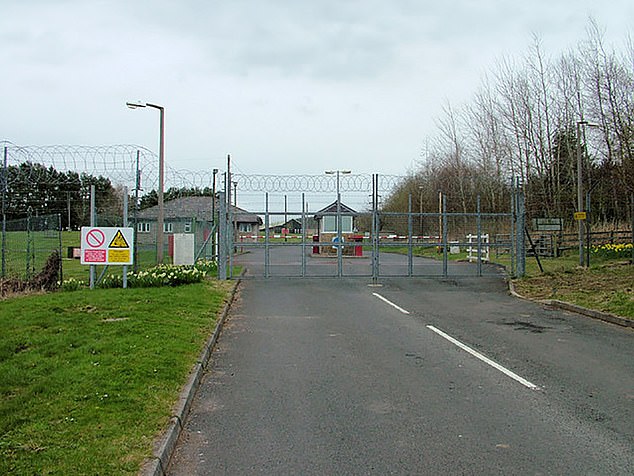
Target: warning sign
[(94, 256), (118, 256), (107, 245), (118, 241)]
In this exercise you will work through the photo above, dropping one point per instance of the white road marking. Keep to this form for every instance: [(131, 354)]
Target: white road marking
[(485, 359), (390, 303)]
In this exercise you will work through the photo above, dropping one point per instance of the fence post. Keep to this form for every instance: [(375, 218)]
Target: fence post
[(222, 237), (93, 222), (479, 231), (61, 261), (4, 214), (632, 226), (521, 249), (376, 227), (125, 224), (512, 235), (410, 232), (137, 188), (266, 237), (339, 235), (28, 245), (445, 256), (303, 235)]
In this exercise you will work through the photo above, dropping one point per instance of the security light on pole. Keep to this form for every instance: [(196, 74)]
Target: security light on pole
[(161, 209)]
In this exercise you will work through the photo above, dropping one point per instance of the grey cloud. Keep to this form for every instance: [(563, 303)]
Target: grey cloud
[(332, 40)]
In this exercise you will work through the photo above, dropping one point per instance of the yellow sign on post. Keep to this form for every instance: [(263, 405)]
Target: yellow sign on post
[(580, 215)]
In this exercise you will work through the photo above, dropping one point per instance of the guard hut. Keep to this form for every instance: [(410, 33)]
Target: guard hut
[(326, 220)]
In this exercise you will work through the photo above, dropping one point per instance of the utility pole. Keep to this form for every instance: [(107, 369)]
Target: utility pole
[(580, 209)]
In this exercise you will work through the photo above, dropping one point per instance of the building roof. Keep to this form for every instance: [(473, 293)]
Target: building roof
[(198, 208), (332, 209)]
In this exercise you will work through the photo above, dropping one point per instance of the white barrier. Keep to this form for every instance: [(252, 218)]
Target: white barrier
[(472, 251)]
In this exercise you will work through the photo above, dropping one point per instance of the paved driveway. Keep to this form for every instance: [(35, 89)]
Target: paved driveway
[(327, 376)]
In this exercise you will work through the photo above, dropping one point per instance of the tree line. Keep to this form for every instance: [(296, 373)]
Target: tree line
[(32, 189), (529, 122)]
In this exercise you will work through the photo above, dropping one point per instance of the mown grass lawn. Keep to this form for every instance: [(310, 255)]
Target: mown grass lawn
[(89, 378)]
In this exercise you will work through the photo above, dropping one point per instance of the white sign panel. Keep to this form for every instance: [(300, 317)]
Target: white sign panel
[(184, 248), (107, 245)]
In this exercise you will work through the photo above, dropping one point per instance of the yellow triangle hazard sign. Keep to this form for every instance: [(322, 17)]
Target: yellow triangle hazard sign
[(118, 241)]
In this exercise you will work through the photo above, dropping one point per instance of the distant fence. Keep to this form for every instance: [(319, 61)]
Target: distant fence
[(555, 243), (27, 243)]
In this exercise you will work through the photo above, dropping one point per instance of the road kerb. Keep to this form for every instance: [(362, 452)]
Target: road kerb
[(166, 443), (566, 306)]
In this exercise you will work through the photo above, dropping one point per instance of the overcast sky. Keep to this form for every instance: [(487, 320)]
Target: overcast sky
[(285, 87)]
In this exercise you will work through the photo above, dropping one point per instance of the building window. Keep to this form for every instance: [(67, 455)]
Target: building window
[(329, 224), (244, 227), (168, 227), (188, 227), (143, 227)]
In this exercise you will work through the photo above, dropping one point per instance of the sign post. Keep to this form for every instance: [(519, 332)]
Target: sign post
[(107, 245)]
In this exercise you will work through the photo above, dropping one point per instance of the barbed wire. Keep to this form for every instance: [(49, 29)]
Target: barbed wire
[(115, 162), (119, 164), (313, 183)]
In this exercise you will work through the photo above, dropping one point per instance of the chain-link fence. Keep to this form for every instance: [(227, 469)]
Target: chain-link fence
[(311, 226), (27, 243), (145, 245)]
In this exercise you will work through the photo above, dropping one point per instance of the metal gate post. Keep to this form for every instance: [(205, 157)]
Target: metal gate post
[(230, 234), (410, 232), (303, 235), (376, 226), (521, 249), (339, 235), (222, 237), (479, 231), (266, 236), (512, 235), (445, 256)]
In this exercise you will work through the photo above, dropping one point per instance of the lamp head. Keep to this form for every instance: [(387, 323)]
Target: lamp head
[(134, 105)]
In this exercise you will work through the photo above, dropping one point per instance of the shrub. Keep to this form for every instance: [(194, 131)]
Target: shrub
[(161, 275), (72, 284)]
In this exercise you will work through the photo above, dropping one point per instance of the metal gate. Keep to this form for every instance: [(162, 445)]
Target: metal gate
[(339, 240)]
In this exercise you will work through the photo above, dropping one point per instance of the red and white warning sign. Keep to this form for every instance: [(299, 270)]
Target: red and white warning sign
[(107, 245)]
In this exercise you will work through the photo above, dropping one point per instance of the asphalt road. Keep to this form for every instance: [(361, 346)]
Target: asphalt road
[(322, 376), (285, 260)]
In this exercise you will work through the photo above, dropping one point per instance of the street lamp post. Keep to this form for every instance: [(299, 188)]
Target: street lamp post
[(580, 207), (161, 208), (337, 173)]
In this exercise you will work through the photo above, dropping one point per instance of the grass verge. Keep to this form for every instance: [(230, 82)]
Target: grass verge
[(607, 286), (89, 378)]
